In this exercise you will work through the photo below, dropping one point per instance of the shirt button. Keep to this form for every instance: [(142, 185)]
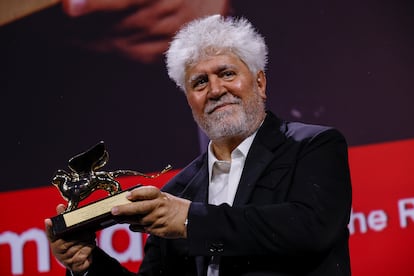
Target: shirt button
[(216, 248)]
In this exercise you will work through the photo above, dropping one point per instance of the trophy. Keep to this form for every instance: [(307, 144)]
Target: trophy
[(82, 180)]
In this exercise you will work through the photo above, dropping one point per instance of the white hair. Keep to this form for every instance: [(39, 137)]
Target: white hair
[(213, 35)]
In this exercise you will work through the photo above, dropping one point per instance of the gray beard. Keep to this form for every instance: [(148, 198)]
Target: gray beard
[(222, 124)]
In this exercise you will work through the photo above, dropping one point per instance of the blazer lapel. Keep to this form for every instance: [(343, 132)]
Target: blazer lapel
[(196, 185), (268, 138), (261, 157)]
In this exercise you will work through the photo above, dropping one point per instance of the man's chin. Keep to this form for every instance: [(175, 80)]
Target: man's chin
[(224, 114), (221, 130)]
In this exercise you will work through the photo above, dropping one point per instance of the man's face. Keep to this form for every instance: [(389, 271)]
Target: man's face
[(226, 99)]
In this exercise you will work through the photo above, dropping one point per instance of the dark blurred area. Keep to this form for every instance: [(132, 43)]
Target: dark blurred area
[(59, 100), (349, 64)]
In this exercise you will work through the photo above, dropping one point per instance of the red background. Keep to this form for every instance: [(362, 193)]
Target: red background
[(381, 175)]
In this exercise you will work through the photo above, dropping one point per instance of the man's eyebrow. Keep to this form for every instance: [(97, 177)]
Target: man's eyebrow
[(195, 77), (217, 70), (224, 67)]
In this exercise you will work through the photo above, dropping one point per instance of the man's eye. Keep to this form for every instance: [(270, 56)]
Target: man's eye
[(200, 82), (228, 74)]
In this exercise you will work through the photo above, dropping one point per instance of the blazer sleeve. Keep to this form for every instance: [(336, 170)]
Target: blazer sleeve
[(103, 264), (311, 216)]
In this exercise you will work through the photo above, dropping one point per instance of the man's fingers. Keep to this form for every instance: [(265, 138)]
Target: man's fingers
[(144, 193), (60, 209), (144, 200), (77, 257), (136, 208), (49, 231), (82, 7), (48, 223)]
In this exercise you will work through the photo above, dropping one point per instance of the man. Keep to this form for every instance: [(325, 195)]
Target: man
[(268, 197)]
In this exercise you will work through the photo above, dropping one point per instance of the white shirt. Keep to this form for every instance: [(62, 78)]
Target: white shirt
[(224, 178)]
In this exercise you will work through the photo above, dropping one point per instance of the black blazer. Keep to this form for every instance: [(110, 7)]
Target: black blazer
[(289, 215)]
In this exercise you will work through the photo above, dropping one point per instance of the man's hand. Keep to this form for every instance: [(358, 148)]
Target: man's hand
[(155, 212), (75, 255), (138, 29)]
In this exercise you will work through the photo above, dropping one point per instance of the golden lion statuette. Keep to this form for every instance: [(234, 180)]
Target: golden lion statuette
[(84, 178)]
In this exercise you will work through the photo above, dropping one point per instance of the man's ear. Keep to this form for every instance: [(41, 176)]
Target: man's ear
[(261, 83)]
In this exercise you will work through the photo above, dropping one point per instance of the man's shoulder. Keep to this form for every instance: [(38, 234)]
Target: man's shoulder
[(300, 131)]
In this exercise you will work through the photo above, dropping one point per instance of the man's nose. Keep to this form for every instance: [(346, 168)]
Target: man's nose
[(216, 88)]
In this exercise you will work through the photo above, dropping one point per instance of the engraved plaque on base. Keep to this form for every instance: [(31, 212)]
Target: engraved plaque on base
[(84, 178), (91, 217)]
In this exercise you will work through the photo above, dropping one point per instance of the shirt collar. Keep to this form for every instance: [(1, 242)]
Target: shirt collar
[(241, 150)]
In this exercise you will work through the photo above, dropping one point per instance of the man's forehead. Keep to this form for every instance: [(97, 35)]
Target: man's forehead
[(214, 64)]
